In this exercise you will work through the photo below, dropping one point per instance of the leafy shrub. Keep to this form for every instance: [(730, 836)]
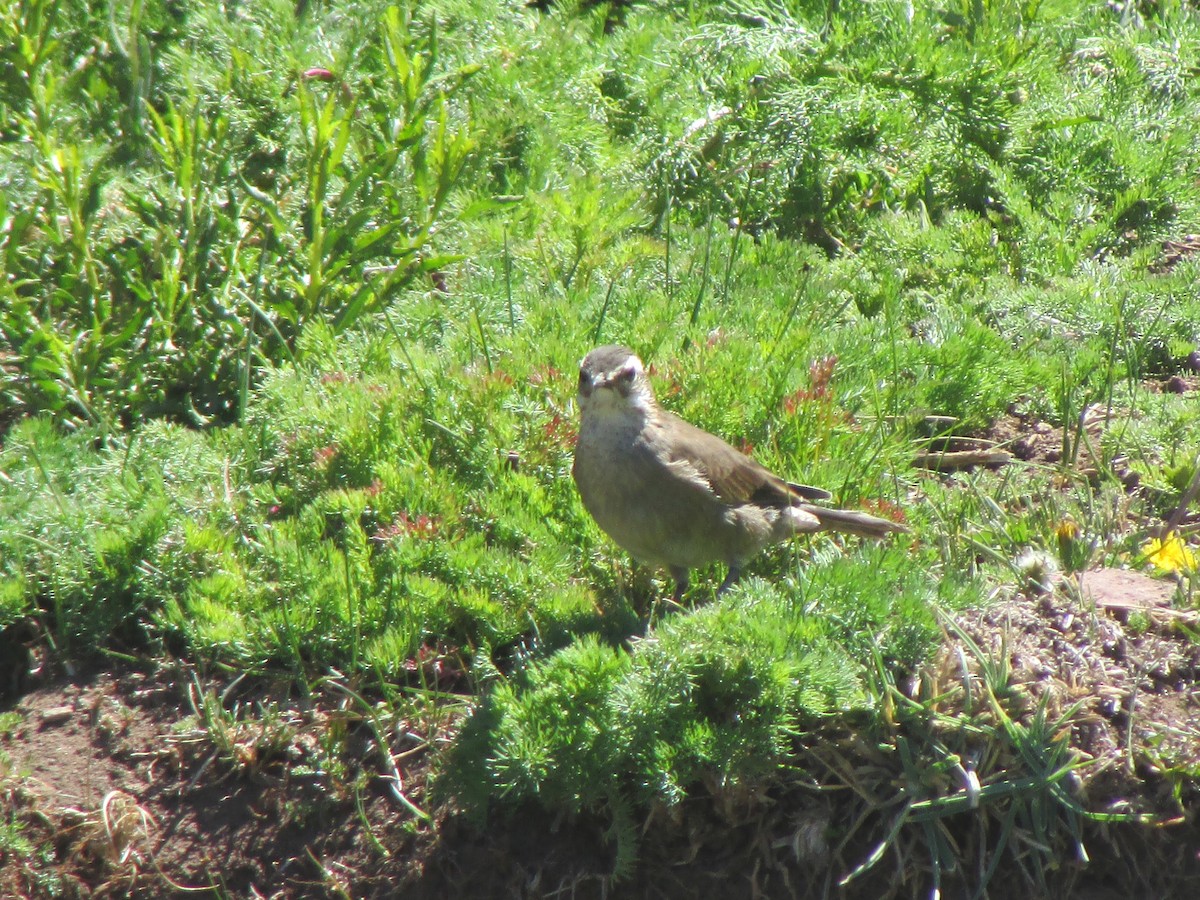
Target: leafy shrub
[(155, 276), (712, 698)]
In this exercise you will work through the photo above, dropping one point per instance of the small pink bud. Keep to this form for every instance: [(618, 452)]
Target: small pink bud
[(318, 73)]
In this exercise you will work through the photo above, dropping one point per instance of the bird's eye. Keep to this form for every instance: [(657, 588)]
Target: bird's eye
[(626, 375)]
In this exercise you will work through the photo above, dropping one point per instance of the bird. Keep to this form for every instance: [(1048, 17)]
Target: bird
[(675, 496)]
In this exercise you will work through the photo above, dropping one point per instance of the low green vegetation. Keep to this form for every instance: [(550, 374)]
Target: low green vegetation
[(293, 296)]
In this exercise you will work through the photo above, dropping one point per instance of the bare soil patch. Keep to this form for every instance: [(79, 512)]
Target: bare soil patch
[(1113, 648), (1175, 251), (119, 793)]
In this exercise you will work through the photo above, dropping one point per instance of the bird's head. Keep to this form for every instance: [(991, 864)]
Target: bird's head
[(612, 378)]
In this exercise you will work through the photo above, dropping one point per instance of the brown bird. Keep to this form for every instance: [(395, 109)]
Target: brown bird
[(676, 496)]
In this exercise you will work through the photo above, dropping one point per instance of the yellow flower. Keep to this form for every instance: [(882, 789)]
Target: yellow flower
[(1170, 554), (1067, 530)]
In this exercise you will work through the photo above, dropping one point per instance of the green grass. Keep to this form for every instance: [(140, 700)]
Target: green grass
[(715, 694), (291, 305)]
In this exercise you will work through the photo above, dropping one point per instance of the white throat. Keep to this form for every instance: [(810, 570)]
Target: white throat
[(607, 412)]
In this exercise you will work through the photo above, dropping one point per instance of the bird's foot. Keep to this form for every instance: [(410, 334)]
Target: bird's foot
[(730, 580)]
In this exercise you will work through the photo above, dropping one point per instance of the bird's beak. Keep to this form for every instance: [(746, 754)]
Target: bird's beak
[(589, 386)]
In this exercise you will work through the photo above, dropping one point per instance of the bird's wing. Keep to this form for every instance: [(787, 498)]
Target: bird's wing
[(733, 476), (808, 492)]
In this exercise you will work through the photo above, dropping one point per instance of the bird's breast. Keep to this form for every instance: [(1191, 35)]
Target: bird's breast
[(661, 512)]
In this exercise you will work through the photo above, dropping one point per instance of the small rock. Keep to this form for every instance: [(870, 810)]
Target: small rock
[(56, 715)]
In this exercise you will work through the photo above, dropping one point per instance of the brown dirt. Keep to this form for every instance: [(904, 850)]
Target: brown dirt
[(123, 795), (1114, 645), (1175, 251), (1031, 440)]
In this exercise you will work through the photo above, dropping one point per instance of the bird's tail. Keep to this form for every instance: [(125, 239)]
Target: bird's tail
[(850, 521)]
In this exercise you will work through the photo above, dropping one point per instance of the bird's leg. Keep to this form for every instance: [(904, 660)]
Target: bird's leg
[(680, 575), (730, 580)]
